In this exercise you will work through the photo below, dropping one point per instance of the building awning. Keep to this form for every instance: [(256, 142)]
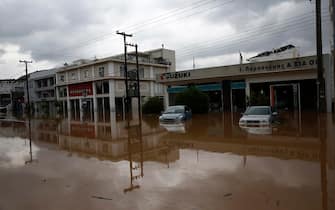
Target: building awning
[(206, 87)]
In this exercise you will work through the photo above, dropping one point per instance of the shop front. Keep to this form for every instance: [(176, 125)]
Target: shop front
[(288, 85)]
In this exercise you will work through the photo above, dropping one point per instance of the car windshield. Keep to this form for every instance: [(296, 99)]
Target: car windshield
[(174, 110), (257, 111)]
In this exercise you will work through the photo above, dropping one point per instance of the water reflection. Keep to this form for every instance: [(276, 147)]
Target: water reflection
[(15, 152), (293, 160), (176, 127), (259, 130), (135, 156)]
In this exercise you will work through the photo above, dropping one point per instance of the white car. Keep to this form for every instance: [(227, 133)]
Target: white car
[(258, 116)]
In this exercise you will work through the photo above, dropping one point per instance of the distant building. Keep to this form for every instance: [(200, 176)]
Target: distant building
[(288, 51), (6, 87), (42, 93), (12, 94), (94, 90)]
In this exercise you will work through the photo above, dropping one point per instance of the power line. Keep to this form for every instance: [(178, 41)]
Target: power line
[(149, 21), (263, 28), (245, 37), (226, 48), (247, 31)]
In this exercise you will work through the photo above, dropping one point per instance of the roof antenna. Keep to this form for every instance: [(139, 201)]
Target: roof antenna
[(193, 63)]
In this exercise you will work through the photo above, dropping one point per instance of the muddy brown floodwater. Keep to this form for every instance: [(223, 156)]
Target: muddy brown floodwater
[(208, 162)]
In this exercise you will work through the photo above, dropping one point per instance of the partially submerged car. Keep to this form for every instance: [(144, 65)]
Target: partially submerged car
[(258, 116), (175, 114)]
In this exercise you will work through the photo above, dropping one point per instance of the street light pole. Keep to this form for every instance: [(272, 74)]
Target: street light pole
[(27, 88)]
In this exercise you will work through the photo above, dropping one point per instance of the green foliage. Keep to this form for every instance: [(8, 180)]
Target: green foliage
[(258, 99), (194, 98), (153, 106)]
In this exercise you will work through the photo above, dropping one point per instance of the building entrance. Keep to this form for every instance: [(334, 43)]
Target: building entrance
[(87, 106), (285, 97)]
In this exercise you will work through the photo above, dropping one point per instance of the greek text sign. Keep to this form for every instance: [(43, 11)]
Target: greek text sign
[(279, 66)]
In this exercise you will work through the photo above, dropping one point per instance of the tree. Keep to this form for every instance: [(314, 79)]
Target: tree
[(194, 98), (154, 105)]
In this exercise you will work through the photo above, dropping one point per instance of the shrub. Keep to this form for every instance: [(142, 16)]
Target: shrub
[(258, 99), (194, 98), (153, 106)]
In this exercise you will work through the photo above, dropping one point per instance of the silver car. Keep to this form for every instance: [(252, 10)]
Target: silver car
[(175, 114), (257, 115)]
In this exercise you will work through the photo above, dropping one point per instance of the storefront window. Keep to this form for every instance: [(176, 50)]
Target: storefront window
[(102, 87), (62, 92)]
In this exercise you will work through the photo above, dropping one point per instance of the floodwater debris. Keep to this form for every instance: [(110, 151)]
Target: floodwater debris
[(228, 194), (100, 197)]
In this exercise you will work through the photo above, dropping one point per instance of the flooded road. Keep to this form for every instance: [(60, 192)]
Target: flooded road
[(208, 162)]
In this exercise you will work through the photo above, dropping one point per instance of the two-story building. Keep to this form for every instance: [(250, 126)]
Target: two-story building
[(12, 94), (42, 92), (94, 90), (6, 86)]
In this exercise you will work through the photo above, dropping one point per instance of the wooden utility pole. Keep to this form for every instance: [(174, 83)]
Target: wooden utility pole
[(321, 92), (125, 69), (27, 87), (28, 112)]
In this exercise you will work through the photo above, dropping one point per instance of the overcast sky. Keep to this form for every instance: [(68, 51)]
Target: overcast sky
[(212, 31)]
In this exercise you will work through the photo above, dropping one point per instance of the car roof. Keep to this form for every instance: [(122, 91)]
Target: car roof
[(260, 106), (177, 106)]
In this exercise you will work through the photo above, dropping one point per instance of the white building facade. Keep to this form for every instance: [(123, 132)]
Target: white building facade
[(94, 90), (42, 95)]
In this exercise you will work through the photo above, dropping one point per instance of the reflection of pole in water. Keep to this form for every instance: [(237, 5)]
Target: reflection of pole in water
[(135, 147), (323, 160), (30, 143)]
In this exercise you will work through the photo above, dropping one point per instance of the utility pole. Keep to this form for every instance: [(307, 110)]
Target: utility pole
[(27, 88), (321, 96), (28, 112), (332, 15), (125, 70)]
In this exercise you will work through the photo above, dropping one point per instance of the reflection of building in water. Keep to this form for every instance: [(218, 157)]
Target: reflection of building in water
[(284, 150), (95, 139), (117, 150), (44, 130), (13, 128)]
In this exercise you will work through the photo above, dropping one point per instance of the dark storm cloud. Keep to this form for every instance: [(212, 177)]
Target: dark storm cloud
[(262, 25), (40, 27), (2, 52), (62, 30)]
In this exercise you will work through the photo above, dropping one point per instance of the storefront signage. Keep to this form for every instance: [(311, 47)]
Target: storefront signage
[(175, 75), (83, 89), (279, 66)]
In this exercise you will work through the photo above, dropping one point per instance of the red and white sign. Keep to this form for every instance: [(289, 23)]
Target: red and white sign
[(82, 89)]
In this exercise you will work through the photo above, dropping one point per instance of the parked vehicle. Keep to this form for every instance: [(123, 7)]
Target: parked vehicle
[(257, 115), (175, 114)]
